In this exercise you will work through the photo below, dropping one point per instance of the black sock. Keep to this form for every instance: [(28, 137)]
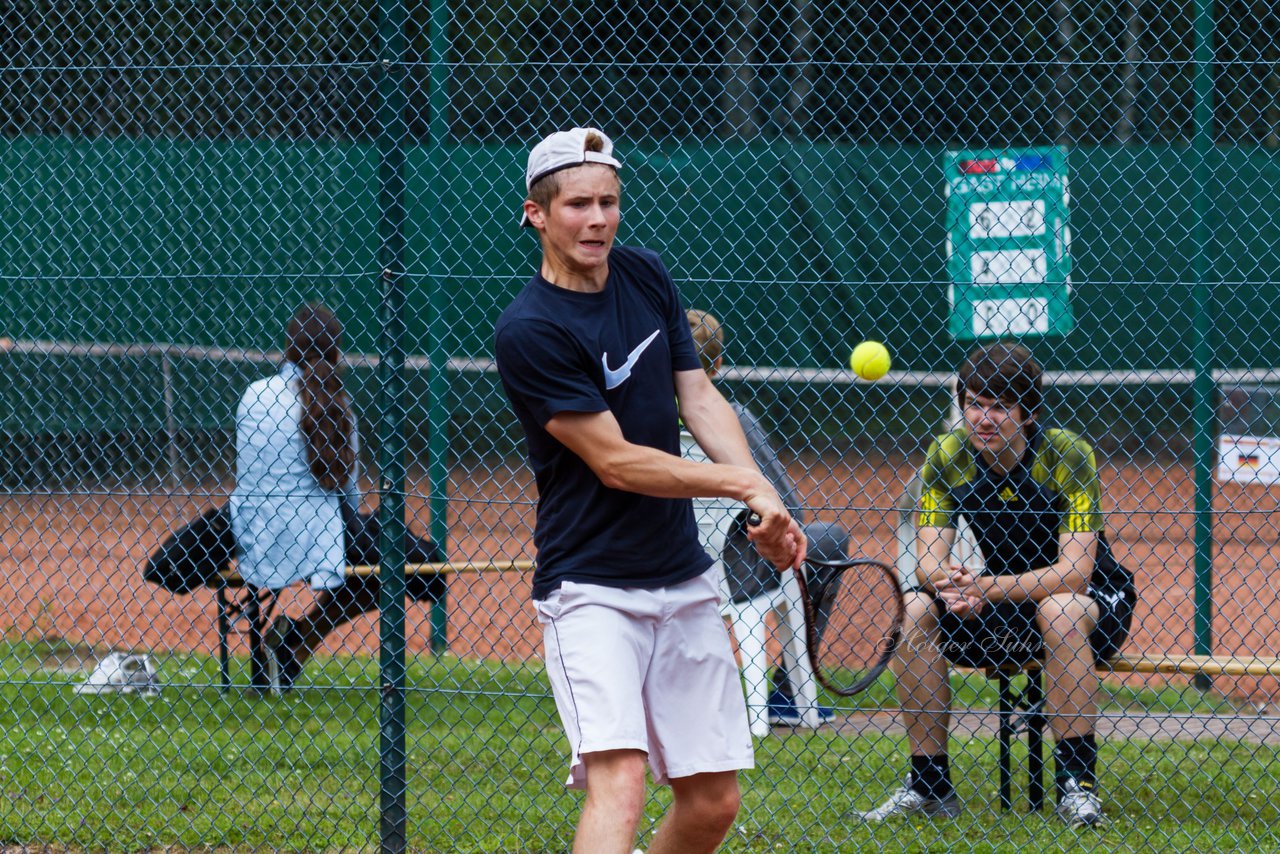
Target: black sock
[(1077, 757), (931, 776)]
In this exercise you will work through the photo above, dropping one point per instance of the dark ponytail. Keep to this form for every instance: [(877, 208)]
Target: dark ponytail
[(313, 342)]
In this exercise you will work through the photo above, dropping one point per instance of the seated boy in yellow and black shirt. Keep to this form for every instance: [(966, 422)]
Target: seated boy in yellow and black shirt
[(1051, 588), (1018, 519)]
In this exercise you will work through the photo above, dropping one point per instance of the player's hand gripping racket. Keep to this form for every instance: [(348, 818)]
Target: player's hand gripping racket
[(853, 619)]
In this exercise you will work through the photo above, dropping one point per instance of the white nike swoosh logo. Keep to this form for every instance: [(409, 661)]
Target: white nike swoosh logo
[(612, 378)]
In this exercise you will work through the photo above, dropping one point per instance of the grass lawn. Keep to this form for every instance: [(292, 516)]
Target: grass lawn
[(198, 769)]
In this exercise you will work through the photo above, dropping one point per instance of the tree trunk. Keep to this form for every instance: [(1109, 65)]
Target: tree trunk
[(1063, 83), (738, 109), (1271, 58), (1131, 75), (801, 53)]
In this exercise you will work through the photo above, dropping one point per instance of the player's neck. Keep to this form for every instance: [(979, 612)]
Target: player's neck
[(571, 279), (1009, 456)]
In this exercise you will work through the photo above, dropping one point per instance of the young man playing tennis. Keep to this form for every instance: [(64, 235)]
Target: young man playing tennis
[(596, 358), (1052, 589)]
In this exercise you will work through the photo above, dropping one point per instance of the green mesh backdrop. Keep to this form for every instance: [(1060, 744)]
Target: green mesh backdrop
[(1096, 181)]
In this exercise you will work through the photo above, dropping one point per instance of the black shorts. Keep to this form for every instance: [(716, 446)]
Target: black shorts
[(1004, 634)]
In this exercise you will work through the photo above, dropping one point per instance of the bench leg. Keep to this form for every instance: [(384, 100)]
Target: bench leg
[(1035, 739), (224, 628), (1005, 735), (439, 627)]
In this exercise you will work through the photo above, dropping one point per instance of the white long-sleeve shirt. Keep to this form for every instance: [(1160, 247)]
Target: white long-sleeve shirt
[(287, 528)]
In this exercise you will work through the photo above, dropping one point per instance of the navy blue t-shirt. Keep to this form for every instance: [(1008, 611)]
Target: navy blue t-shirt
[(616, 350)]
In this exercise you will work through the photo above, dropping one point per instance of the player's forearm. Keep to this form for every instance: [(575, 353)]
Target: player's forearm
[(933, 553), (651, 472), (597, 439), (715, 426), (930, 575), (1071, 572), (1039, 584)]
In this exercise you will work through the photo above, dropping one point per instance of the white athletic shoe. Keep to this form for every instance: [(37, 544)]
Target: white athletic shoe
[(907, 801), (122, 673), (1079, 806)]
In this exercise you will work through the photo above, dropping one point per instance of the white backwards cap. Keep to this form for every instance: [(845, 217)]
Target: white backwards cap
[(561, 150)]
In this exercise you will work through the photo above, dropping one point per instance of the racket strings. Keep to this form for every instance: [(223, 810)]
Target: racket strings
[(854, 623)]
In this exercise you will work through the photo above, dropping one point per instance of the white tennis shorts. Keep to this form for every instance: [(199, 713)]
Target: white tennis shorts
[(650, 670)]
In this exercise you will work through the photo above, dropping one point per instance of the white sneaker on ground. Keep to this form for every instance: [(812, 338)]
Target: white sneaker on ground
[(122, 673), (1078, 805), (907, 801)]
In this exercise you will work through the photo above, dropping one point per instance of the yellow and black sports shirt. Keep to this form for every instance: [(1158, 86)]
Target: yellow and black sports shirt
[(1017, 517)]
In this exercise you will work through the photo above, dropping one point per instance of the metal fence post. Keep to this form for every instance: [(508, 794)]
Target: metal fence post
[(391, 384), (1204, 387), (438, 300)]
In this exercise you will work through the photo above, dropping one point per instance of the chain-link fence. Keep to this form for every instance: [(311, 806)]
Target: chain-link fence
[(1096, 181)]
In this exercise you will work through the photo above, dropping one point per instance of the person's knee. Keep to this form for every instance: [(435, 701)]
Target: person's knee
[(920, 609), (919, 628), (1067, 617), (615, 778), (713, 800)]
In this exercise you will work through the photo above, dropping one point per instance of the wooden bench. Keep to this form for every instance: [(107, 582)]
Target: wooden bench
[(256, 608), (1024, 711)]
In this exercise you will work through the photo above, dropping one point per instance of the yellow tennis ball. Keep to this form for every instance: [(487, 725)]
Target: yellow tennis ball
[(870, 360)]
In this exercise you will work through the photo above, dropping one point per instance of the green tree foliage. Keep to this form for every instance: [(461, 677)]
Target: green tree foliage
[(972, 72)]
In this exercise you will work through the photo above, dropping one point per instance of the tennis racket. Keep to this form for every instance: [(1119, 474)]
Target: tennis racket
[(853, 620)]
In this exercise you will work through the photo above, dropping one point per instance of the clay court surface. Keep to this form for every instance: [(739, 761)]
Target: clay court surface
[(72, 560)]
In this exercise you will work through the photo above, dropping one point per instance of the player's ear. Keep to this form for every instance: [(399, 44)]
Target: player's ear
[(537, 218), (716, 366)]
